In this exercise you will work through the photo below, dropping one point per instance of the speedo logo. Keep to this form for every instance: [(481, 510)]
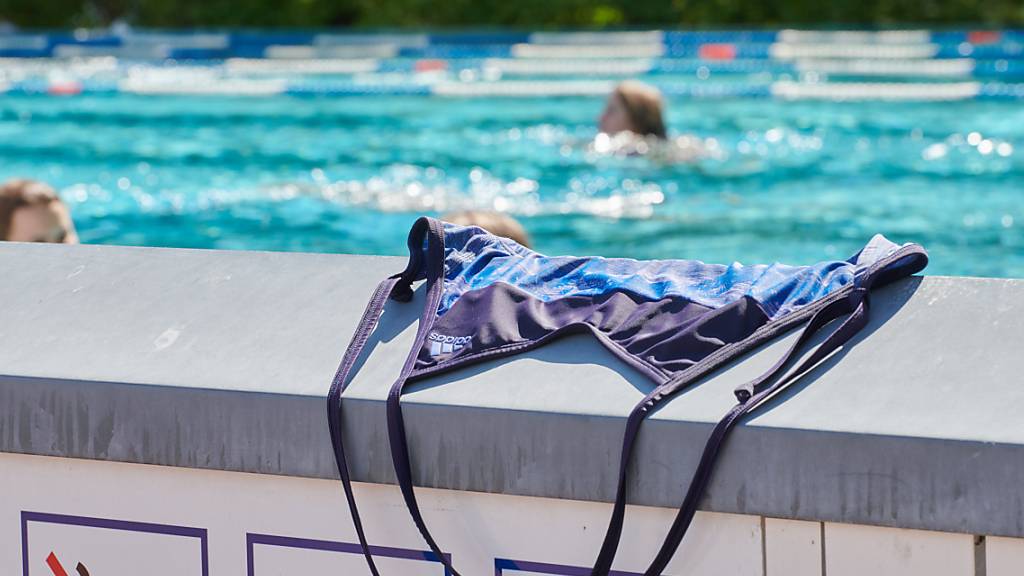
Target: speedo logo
[(440, 344)]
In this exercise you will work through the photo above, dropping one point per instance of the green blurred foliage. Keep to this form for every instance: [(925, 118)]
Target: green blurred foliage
[(242, 13), (510, 13)]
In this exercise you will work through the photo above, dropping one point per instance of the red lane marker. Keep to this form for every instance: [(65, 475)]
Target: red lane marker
[(984, 36), (431, 65), (717, 51), (55, 566), (65, 88)]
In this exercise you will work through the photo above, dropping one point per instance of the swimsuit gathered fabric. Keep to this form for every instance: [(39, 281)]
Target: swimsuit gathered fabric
[(673, 320)]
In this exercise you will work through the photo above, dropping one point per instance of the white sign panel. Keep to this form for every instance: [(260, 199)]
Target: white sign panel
[(505, 567), (68, 517), (62, 545), (270, 555)]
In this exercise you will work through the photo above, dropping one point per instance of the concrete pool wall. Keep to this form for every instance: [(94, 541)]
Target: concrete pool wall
[(168, 406)]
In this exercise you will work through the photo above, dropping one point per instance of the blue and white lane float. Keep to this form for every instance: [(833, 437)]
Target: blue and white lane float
[(783, 90), (788, 64), (737, 44), (496, 68)]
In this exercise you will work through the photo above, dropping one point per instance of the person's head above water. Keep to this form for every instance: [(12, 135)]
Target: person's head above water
[(31, 211), (494, 222), (633, 107)]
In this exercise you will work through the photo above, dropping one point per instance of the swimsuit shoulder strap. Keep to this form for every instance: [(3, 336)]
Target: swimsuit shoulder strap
[(426, 260)]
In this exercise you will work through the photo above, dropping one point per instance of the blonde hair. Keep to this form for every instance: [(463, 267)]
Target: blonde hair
[(644, 105), (22, 193), (494, 222)]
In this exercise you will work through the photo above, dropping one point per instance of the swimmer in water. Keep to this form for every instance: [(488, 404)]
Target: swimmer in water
[(31, 211), (633, 107), (494, 222), (633, 123)]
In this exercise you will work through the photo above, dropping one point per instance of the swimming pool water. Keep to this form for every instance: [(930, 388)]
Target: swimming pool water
[(790, 181)]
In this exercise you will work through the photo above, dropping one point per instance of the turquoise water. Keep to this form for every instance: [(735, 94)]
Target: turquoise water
[(789, 181)]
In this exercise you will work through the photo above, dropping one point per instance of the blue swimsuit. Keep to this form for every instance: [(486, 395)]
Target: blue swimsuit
[(673, 320)]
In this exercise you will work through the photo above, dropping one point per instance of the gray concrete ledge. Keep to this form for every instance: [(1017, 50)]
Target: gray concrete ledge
[(223, 360)]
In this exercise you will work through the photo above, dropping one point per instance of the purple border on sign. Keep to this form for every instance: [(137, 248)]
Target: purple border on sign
[(502, 564), (308, 544), (109, 524)]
